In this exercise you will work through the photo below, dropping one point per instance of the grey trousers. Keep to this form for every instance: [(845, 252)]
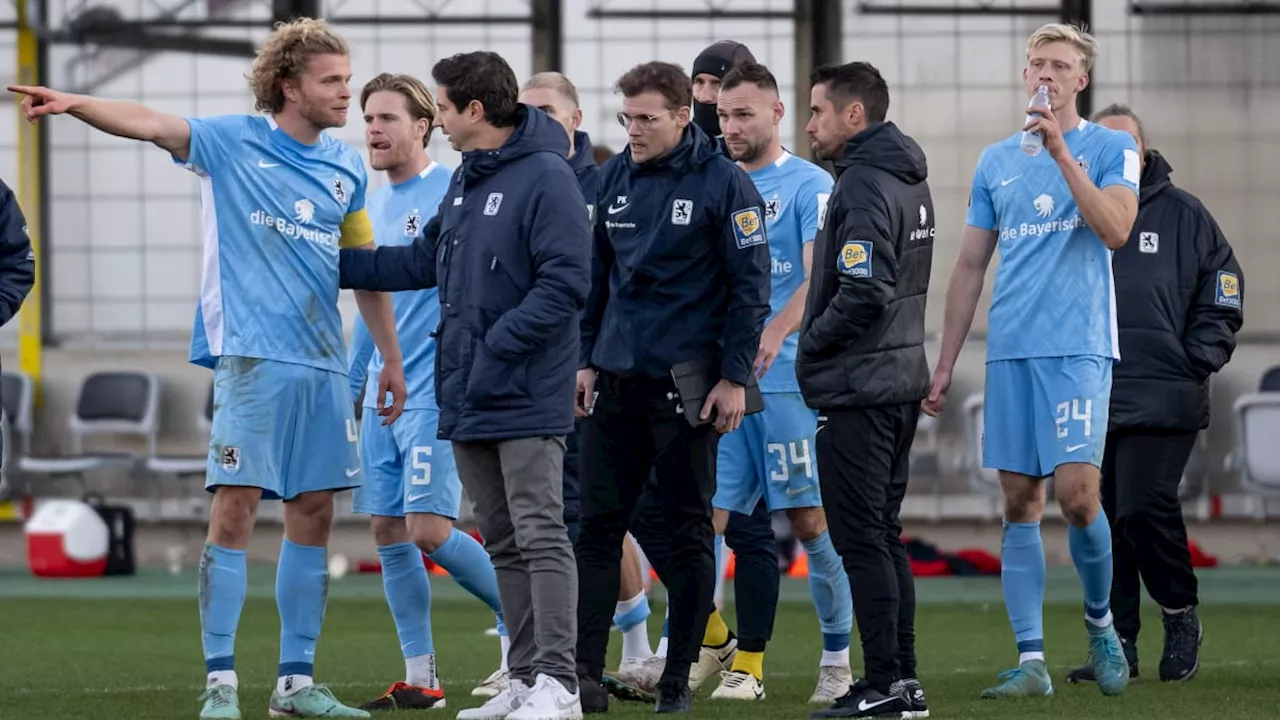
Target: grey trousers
[(517, 488)]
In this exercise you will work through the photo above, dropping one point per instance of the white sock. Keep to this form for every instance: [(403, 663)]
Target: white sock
[(635, 640), (836, 658), (635, 643), (223, 677), (506, 648), (290, 684), (1024, 657), (420, 670), (662, 648), (1101, 622)]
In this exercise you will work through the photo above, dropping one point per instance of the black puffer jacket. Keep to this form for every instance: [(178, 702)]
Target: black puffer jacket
[(862, 340), (1179, 302)]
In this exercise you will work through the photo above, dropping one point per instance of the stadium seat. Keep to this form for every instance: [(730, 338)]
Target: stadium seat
[(15, 421), (186, 465), (1256, 457), (116, 402)]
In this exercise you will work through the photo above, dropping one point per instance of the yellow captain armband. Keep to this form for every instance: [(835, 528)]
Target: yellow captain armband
[(356, 230)]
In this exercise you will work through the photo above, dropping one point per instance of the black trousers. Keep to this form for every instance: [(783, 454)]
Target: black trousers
[(754, 545), (637, 428), (1140, 475), (863, 464)]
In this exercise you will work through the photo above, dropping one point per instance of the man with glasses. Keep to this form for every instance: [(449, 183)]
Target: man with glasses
[(679, 297)]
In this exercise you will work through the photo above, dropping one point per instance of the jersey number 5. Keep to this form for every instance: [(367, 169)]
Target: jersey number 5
[(1074, 410), (799, 456), (421, 464)]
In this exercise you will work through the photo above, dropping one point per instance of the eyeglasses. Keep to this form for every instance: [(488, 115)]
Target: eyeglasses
[(644, 122)]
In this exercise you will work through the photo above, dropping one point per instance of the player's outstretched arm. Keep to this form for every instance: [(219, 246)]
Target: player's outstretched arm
[(116, 117), (977, 246)]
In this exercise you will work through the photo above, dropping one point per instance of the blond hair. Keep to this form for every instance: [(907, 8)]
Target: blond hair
[(1083, 42), (284, 56), (551, 80), (417, 98)]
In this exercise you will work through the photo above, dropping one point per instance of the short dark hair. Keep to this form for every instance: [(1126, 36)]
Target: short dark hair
[(482, 76), (858, 81), (667, 79), (1121, 110), (749, 72)]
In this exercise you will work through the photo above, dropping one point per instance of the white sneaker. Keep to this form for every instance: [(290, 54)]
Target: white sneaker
[(711, 662), (739, 685), (833, 684), (500, 706), (492, 685), (641, 674), (549, 700)]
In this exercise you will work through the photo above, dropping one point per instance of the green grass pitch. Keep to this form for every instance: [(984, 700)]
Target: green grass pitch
[(130, 648)]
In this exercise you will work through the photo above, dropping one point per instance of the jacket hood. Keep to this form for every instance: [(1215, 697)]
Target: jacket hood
[(1155, 176), (884, 146), (535, 131), (694, 149), (582, 156)]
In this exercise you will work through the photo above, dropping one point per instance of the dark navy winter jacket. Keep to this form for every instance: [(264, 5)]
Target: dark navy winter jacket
[(17, 261), (584, 166), (681, 264), (510, 252)]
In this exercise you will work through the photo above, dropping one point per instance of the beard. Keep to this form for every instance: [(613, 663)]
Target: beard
[(753, 152)]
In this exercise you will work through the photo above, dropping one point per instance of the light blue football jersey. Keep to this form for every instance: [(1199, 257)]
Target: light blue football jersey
[(274, 214), (399, 213), (1054, 293), (795, 193)]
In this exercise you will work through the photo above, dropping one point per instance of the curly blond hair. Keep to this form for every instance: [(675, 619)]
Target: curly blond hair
[(284, 56), (416, 96)]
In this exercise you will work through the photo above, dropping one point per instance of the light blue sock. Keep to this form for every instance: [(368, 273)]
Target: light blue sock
[(221, 600), (469, 565), (719, 555), (1091, 554), (634, 615), (829, 586), (1022, 579), (404, 578), (302, 588), (666, 619)]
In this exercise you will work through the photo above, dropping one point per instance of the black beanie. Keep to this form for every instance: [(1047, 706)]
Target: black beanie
[(716, 60)]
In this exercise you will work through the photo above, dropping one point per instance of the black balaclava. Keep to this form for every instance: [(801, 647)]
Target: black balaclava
[(716, 60)]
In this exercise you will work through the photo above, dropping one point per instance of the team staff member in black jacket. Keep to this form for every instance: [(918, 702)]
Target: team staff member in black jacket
[(861, 363), (17, 261), (680, 274), (1180, 302), (554, 94)]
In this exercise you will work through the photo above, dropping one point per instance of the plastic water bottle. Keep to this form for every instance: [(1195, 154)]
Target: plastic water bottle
[(1033, 142)]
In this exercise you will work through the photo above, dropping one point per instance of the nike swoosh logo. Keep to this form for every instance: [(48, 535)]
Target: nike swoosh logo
[(562, 704), (615, 210), (415, 498), (864, 706), (1073, 448), (265, 164), (1006, 182), (353, 472)]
